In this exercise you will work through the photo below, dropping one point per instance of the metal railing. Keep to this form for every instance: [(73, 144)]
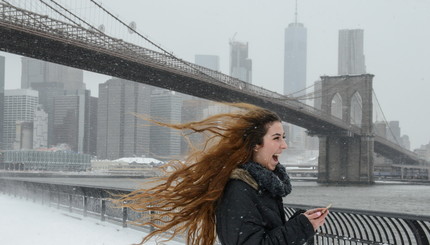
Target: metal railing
[(343, 226), (358, 227)]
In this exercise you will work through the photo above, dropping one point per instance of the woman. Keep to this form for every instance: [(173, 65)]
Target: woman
[(232, 186)]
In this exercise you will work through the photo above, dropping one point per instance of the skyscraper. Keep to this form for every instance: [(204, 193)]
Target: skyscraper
[(92, 147), (295, 52), (2, 82), (72, 120), (351, 52), (240, 64), (38, 71), (166, 106), (208, 61), (50, 80), (19, 105), (119, 132), (295, 56), (47, 92), (393, 133)]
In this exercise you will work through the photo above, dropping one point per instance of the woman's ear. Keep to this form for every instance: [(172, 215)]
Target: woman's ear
[(257, 147)]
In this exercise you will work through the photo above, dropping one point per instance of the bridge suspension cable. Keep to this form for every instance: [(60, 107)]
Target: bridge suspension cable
[(298, 91), (63, 12), (170, 54), (316, 94), (134, 31), (74, 22)]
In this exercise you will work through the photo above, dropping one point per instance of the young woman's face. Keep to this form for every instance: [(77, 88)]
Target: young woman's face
[(267, 154)]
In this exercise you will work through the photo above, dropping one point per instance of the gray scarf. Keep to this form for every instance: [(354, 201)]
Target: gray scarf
[(277, 182)]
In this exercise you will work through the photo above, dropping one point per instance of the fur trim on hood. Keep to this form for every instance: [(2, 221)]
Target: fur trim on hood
[(276, 182), (242, 174)]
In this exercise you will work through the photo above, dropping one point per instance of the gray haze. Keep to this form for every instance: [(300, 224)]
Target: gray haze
[(396, 39)]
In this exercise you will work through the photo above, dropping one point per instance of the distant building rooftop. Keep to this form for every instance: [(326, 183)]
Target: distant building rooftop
[(142, 160)]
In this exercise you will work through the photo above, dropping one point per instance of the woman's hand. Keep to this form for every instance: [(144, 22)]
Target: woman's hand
[(316, 216)]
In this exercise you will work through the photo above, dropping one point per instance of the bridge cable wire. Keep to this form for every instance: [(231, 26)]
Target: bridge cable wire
[(316, 94), (26, 13), (298, 91), (120, 42), (140, 35), (162, 49), (319, 93), (174, 57), (79, 18), (313, 95), (169, 54), (156, 45), (74, 22), (57, 11), (92, 27)]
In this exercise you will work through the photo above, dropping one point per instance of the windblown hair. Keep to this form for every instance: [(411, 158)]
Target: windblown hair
[(184, 202)]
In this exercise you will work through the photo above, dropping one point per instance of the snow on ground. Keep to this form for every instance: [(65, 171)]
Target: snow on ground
[(24, 222)]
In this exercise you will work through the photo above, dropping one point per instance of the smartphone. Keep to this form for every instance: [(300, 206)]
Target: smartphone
[(326, 208)]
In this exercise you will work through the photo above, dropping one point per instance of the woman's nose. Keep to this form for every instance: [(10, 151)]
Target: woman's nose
[(284, 145)]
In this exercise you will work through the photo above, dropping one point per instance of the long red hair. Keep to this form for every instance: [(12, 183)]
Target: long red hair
[(184, 201)]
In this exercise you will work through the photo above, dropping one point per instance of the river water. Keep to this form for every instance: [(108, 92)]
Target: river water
[(383, 196)]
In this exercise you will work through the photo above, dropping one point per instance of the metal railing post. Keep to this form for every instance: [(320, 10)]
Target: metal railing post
[(70, 202), (418, 232), (124, 217), (103, 210), (85, 203), (151, 216)]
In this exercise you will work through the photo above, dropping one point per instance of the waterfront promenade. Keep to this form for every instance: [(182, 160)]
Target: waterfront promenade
[(396, 197), (393, 213)]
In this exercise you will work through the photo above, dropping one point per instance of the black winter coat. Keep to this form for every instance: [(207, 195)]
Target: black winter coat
[(246, 215)]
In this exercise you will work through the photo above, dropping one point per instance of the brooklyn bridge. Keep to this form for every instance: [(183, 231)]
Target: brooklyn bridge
[(346, 147)]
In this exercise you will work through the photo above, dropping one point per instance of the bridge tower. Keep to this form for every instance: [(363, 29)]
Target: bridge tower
[(347, 157)]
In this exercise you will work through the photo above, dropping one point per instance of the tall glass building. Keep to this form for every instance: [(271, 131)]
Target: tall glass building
[(351, 52), (71, 120), (2, 82), (119, 132), (295, 58), (295, 52), (166, 106)]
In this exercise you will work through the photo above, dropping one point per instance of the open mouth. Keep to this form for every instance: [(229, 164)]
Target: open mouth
[(276, 157)]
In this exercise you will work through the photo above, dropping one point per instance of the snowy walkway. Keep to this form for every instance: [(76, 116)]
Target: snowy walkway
[(23, 222)]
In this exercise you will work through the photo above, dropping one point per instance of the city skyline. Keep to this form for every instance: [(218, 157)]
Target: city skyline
[(395, 52)]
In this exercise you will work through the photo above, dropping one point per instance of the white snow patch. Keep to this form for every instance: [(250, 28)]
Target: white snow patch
[(24, 222)]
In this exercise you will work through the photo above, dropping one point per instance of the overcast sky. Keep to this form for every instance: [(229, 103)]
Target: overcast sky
[(396, 43)]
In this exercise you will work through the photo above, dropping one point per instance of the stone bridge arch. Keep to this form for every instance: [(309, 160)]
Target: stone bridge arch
[(347, 158)]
